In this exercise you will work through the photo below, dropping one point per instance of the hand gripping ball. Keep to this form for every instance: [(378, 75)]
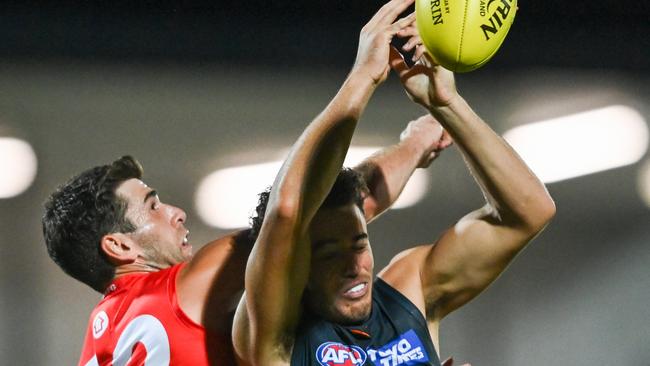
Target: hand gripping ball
[(462, 35)]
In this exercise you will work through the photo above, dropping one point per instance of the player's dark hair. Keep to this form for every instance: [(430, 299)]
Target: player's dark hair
[(80, 212), (349, 187)]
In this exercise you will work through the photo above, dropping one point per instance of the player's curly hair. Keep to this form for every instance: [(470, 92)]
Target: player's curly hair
[(80, 212), (349, 187)]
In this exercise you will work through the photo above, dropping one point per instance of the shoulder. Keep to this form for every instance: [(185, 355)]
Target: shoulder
[(213, 279), (235, 245), (403, 274)]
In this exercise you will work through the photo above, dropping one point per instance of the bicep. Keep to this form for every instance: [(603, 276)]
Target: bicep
[(276, 276), (467, 258)]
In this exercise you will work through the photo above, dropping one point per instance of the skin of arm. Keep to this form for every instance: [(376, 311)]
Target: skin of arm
[(441, 277), (210, 284), (278, 267), (387, 171)]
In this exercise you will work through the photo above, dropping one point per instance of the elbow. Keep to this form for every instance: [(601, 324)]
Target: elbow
[(545, 208), (541, 214), (284, 208), (283, 212), (530, 216), (548, 210)]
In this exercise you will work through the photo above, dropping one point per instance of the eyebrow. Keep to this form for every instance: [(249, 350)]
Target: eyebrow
[(151, 193), (323, 242), (361, 237)]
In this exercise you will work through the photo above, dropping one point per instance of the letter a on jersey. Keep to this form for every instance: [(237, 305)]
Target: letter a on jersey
[(338, 354)]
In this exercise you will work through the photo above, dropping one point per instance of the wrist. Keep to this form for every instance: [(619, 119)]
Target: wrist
[(363, 75), (355, 93), (417, 145), (449, 105)]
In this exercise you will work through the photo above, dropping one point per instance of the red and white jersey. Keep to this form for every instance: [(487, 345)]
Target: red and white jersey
[(139, 323)]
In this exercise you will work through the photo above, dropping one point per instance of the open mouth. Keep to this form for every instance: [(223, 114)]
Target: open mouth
[(185, 242), (356, 291)]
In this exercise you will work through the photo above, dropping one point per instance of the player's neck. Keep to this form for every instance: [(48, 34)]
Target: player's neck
[(135, 268)]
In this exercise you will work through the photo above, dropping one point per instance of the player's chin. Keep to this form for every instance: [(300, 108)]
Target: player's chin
[(354, 312), (186, 252), (180, 257)]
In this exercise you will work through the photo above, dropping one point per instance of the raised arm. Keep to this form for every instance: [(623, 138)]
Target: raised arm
[(387, 171), (470, 255), (278, 267)]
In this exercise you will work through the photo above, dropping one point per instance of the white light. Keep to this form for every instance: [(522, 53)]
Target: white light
[(227, 197), (17, 166), (582, 143), (644, 183), (414, 190), (356, 154)]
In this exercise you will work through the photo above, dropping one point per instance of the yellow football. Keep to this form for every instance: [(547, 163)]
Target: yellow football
[(462, 35)]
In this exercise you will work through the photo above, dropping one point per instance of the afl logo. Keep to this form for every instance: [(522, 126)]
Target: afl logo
[(100, 324), (338, 354)]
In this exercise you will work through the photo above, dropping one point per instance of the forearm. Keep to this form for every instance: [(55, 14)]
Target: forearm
[(511, 188), (316, 158), (387, 172)]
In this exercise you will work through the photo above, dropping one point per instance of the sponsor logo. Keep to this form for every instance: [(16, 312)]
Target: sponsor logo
[(497, 17), (100, 324), (338, 354), (482, 8), (436, 11), (406, 350)]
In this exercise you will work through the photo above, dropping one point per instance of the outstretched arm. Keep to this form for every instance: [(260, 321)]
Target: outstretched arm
[(278, 267), (470, 255), (387, 171)]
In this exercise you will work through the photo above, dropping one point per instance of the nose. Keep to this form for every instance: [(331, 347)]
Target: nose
[(178, 215), (352, 265)]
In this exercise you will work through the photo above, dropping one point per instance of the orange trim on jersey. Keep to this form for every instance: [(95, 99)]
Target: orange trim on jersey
[(360, 332)]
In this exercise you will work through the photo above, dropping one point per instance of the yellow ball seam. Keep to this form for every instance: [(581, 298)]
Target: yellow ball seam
[(462, 36)]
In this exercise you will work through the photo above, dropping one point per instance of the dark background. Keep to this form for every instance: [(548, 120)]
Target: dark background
[(591, 34)]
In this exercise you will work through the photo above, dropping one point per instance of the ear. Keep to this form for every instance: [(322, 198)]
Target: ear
[(119, 248)]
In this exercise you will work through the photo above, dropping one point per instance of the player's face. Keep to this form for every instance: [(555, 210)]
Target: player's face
[(160, 232), (340, 281)]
